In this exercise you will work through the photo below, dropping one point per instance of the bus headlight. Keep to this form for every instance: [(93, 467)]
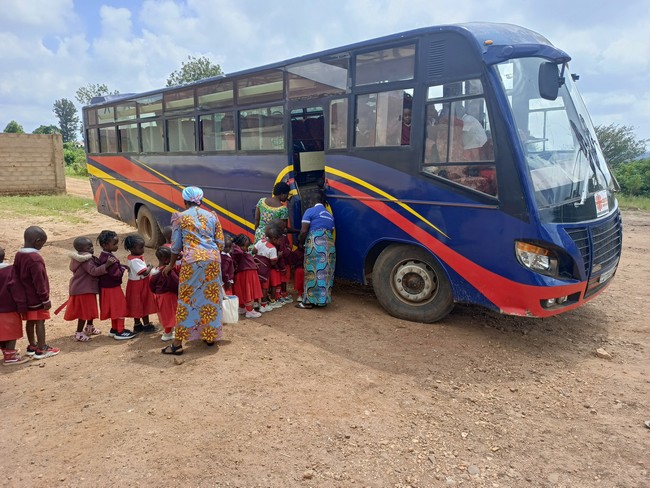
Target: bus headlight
[(536, 258)]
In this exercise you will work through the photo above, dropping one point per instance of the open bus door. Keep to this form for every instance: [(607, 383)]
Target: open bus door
[(308, 153)]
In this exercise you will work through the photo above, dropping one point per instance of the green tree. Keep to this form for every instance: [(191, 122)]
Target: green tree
[(47, 129), (194, 69), (86, 93), (634, 177), (66, 112), (14, 127), (619, 143)]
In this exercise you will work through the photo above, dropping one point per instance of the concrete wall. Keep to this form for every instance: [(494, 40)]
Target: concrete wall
[(31, 163)]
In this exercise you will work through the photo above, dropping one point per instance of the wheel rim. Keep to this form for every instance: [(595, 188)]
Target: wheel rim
[(414, 282)]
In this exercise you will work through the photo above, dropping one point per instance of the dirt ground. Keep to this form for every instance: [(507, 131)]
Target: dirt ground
[(340, 397)]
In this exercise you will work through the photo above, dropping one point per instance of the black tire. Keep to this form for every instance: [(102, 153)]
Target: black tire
[(411, 285), (148, 228)]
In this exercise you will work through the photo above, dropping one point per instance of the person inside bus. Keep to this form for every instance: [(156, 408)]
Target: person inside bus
[(405, 139)]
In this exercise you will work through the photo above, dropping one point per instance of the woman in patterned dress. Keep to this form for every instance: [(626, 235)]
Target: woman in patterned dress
[(198, 234), (271, 208), (317, 237)]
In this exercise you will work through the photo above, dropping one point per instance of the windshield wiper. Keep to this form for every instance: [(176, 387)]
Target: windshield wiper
[(587, 150)]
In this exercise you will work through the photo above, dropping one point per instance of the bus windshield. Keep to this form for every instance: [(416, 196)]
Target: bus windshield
[(565, 161)]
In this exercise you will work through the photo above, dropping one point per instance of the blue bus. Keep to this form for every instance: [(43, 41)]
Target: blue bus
[(460, 163)]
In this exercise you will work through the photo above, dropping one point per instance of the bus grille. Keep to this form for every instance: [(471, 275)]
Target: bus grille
[(601, 249)]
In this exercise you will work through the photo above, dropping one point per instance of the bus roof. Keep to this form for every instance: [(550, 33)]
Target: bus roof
[(500, 34)]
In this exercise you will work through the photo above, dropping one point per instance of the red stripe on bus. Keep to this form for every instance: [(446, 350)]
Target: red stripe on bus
[(509, 296)]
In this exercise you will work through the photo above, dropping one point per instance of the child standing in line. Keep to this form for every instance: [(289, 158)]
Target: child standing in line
[(29, 269), (165, 292), (167, 234), (247, 284), (266, 257), (227, 266), (84, 288), (297, 261), (139, 299), (12, 301), (112, 302), (281, 272)]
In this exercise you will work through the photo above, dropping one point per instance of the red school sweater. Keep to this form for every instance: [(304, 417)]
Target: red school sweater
[(29, 269)]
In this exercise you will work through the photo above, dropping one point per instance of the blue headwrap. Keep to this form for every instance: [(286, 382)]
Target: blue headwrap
[(193, 194)]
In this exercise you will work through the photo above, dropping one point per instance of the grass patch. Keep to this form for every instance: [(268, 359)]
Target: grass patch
[(627, 202), (65, 207)]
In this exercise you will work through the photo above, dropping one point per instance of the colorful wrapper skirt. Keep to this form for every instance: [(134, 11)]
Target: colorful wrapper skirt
[(320, 260), (198, 315)]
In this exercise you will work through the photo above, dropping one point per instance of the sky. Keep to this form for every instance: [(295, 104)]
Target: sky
[(50, 48)]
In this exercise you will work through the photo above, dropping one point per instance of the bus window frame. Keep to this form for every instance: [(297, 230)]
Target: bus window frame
[(416, 64)]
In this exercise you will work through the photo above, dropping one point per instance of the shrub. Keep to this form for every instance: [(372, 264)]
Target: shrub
[(75, 159), (634, 177)]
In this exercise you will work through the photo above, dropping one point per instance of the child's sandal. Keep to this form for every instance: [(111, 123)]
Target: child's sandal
[(172, 349), (81, 337), (92, 330)]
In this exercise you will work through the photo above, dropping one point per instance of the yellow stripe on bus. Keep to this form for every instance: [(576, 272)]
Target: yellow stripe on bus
[(391, 198), (129, 189), (220, 209)]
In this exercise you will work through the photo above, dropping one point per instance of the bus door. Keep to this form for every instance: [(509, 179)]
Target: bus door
[(307, 140)]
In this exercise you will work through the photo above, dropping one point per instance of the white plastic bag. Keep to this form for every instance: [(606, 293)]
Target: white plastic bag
[(230, 309)]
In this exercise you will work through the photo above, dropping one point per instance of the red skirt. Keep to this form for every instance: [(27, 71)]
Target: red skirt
[(139, 298), (167, 304), (112, 303), (11, 326), (286, 278), (275, 277), (299, 280), (36, 315), (247, 287), (81, 307)]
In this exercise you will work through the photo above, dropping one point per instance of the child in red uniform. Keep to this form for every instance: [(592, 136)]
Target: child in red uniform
[(12, 301), (247, 284), (281, 272), (139, 298), (297, 261), (84, 288), (165, 292), (112, 303), (29, 271), (266, 257), (227, 266)]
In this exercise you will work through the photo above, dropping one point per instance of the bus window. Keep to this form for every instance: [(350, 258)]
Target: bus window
[(338, 124), (261, 88), (93, 140), (386, 65), (152, 136), (149, 106), (379, 118), (215, 95), (262, 129), (107, 140), (318, 78), (91, 117), (180, 101), (129, 138), (218, 132), (180, 134), (125, 111), (458, 132), (105, 115)]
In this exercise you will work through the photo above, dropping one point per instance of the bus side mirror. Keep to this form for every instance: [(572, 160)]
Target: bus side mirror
[(549, 80)]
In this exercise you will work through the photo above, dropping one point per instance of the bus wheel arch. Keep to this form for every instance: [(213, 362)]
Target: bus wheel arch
[(148, 227), (410, 284)]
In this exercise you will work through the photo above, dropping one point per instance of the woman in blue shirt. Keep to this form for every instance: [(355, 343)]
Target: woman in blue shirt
[(317, 237)]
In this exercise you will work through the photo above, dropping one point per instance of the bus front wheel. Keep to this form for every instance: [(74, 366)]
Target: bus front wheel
[(411, 285), (148, 228)]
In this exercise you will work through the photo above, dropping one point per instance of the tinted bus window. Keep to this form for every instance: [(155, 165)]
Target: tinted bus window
[(150, 106), (125, 111), (338, 123), (218, 132), (318, 78), (180, 134), (179, 101), (105, 115), (91, 117), (217, 95), (262, 129), (107, 140), (152, 136), (93, 140), (265, 87), (379, 118), (129, 138), (394, 64)]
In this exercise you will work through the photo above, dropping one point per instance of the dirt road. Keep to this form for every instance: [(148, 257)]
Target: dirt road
[(339, 397)]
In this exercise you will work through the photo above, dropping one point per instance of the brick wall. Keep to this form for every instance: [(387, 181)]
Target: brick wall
[(31, 163)]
